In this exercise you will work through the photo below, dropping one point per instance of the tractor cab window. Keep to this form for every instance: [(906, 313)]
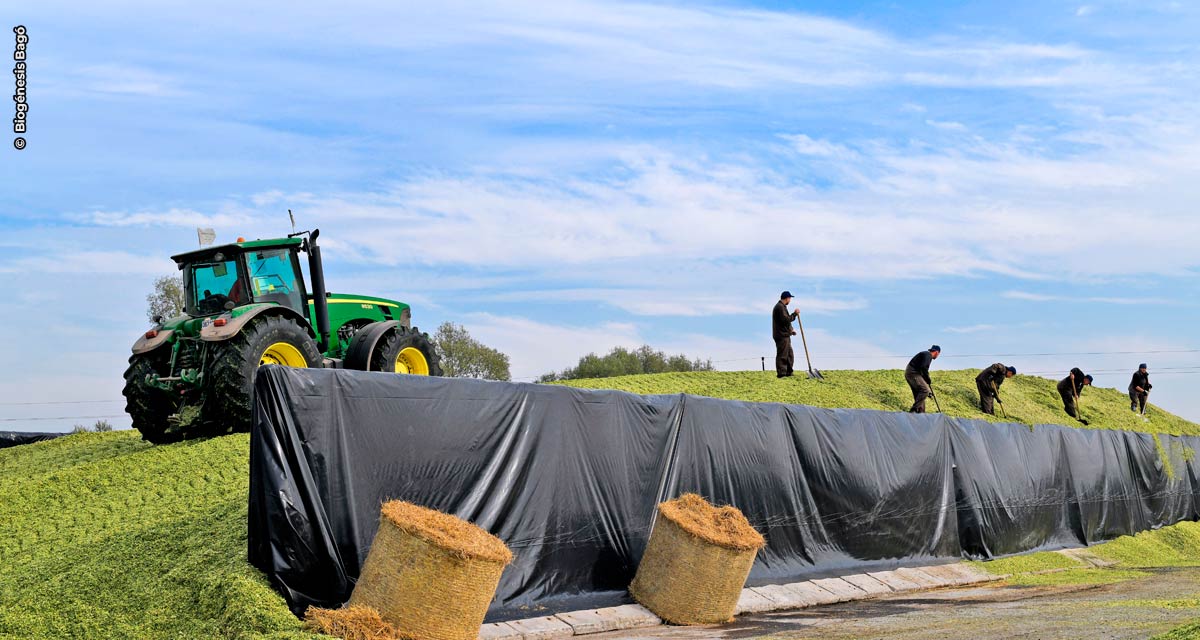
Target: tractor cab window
[(273, 278), (213, 284)]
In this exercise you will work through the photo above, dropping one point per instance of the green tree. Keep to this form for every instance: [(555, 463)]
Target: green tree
[(623, 362), (167, 298), (466, 357)]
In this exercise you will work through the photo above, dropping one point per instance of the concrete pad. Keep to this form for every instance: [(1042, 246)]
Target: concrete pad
[(972, 574), (752, 601), (922, 578), (894, 581), (542, 628), (944, 572), (588, 621), (632, 616), (1085, 556), (782, 596), (498, 631), (868, 584), (844, 591), (813, 594)]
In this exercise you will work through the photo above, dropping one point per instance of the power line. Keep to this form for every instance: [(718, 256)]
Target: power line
[(61, 418), (14, 404)]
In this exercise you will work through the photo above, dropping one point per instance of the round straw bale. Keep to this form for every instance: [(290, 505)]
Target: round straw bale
[(429, 574), (696, 562)]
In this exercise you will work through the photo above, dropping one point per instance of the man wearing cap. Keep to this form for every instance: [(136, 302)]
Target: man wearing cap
[(917, 376), (1139, 389), (1069, 388), (782, 331), (988, 382)]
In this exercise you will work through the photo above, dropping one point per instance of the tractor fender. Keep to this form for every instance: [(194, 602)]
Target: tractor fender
[(146, 345), (210, 332), (362, 345)]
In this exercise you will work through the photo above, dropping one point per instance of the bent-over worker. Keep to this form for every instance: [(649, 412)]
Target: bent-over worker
[(782, 331), (1139, 389), (988, 382), (1069, 388), (916, 374)]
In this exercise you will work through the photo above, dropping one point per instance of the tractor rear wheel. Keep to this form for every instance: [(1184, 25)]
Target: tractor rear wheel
[(147, 406), (266, 339), (406, 351)]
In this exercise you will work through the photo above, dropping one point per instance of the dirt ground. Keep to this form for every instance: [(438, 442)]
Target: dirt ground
[(1132, 609)]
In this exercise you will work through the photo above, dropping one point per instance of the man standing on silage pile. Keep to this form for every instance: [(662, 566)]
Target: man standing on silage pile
[(1139, 389), (782, 331), (1069, 388), (917, 376), (988, 382)]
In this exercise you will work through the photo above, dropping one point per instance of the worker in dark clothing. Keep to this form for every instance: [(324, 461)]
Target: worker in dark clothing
[(988, 382), (782, 331), (1139, 389), (1069, 388), (916, 374)]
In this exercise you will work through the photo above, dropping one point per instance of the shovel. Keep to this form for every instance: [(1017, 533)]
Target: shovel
[(935, 402), (996, 395), (1078, 404), (812, 373)]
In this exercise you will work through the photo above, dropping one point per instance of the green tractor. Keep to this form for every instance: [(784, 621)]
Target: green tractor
[(246, 306)]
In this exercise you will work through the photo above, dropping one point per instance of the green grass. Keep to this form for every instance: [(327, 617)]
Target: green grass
[(1027, 399), (1028, 563), (1076, 576), (106, 536), (1189, 631), (1174, 546)]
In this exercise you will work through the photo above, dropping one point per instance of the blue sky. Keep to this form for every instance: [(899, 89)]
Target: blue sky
[(999, 178)]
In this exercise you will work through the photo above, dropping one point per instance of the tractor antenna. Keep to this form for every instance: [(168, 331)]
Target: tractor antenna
[(293, 219)]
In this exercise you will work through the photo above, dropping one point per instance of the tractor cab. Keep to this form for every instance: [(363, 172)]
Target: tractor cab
[(218, 279)]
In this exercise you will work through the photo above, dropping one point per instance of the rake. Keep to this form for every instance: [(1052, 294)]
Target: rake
[(812, 373)]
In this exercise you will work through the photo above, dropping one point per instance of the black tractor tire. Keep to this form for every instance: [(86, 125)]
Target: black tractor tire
[(235, 363), (390, 346), (147, 406)]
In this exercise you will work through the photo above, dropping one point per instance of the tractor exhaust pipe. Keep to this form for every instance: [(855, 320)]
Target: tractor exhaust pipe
[(320, 304)]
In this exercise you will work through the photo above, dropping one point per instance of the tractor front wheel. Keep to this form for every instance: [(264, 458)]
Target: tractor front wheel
[(406, 351), (265, 340), (148, 406)]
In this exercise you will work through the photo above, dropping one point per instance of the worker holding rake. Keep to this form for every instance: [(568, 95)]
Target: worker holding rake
[(988, 383), (1139, 389), (782, 331), (1069, 388), (916, 374)]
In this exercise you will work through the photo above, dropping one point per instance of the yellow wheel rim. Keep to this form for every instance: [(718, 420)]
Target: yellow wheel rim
[(411, 360), (284, 354)]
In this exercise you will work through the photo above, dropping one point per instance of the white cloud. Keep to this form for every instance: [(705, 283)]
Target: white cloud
[(67, 261), (1117, 300), (805, 145), (946, 125), (677, 300), (975, 328)]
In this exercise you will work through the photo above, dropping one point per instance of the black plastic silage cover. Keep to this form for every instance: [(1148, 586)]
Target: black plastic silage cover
[(569, 478), (15, 438)]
